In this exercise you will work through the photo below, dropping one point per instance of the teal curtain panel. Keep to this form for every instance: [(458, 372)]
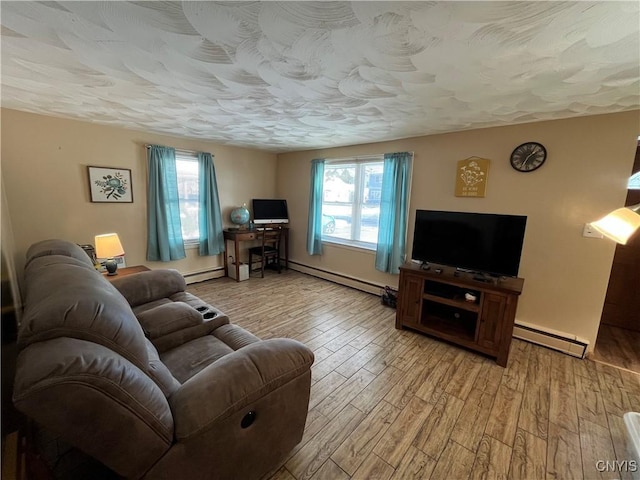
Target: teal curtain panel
[(394, 212), (314, 230), (164, 240), (211, 241)]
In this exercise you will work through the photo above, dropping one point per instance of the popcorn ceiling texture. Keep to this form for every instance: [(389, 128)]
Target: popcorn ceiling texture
[(299, 75)]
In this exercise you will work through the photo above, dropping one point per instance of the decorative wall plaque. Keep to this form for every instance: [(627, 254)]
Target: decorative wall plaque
[(471, 177)]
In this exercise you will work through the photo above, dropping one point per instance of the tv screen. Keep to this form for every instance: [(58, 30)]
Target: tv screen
[(270, 211), (480, 242)]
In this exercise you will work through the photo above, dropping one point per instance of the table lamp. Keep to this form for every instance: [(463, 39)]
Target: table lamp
[(620, 224), (109, 246)]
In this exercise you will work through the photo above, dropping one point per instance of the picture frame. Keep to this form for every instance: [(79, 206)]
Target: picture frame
[(110, 185)]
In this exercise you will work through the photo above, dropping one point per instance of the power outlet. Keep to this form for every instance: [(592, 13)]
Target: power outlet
[(589, 231)]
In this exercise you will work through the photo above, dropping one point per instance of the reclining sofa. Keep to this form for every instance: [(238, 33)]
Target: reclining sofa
[(148, 379)]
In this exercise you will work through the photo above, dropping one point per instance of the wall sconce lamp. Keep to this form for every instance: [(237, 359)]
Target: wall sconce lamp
[(109, 246), (620, 224)]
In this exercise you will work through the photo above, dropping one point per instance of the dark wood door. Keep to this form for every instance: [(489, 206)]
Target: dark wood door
[(622, 303), (410, 291), (491, 319)]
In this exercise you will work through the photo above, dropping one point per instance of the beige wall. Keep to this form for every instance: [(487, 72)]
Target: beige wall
[(566, 275), (44, 170), (44, 173)]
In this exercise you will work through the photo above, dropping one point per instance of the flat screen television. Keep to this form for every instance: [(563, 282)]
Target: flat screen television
[(480, 242), (269, 210)]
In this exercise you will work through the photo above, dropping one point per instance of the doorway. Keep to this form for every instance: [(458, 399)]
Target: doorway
[(618, 341)]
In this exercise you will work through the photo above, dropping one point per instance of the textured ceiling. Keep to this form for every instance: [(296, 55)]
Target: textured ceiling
[(299, 75)]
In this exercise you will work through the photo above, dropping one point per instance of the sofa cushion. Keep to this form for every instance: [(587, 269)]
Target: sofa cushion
[(66, 298), (159, 372), (96, 400), (168, 318), (148, 306), (234, 336), (145, 287), (58, 247), (188, 359)]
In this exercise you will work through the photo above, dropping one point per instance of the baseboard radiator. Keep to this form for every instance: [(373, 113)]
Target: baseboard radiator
[(560, 341), (202, 275), (339, 278)]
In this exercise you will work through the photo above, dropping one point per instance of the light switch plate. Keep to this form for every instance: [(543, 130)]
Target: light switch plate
[(589, 231)]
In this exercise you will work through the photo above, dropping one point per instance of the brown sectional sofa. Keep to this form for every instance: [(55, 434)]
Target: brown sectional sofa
[(131, 373)]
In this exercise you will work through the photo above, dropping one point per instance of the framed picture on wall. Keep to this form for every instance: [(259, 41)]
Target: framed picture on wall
[(110, 185)]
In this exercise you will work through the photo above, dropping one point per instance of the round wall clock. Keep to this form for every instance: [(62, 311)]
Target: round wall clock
[(528, 156)]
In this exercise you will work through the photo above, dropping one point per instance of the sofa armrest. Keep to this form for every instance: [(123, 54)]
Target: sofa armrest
[(175, 323), (235, 381), (145, 287)]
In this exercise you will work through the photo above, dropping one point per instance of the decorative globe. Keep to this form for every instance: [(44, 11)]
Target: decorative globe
[(240, 215)]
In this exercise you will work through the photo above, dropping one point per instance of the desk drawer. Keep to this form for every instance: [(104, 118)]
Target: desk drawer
[(240, 236)]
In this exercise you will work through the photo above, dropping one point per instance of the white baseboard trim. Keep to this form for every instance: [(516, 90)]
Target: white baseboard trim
[(201, 276), (560, 341), (339, 278)]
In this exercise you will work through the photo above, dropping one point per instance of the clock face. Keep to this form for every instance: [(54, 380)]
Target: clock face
[(528, 157)]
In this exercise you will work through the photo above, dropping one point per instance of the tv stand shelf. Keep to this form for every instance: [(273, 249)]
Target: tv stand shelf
[(434, 302)]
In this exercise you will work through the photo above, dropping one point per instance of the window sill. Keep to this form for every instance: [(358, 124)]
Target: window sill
[(348, 245)]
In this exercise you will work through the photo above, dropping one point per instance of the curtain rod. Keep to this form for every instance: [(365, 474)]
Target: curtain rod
[(358, 157), (179, 150), (355, 158), (330, 160)]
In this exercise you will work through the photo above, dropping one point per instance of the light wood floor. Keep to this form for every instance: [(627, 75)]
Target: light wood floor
[(619, 347), (395, 404)]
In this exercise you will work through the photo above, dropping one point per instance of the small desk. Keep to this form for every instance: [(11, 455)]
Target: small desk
[(245, 235), (123, 272)]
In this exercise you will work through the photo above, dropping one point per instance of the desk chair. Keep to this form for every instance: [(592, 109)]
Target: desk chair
[(269, 250)]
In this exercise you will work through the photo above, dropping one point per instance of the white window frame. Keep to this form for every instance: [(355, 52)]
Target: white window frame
[(182, 156), (359, 163)]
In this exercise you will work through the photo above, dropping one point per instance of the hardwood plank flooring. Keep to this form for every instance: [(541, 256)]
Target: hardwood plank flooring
[(394, 404), (619, 347)]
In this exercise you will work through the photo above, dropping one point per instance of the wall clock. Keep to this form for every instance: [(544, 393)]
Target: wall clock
[(528, 156)]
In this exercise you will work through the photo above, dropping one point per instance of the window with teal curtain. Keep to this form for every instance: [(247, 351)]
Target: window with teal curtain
[(164, 237), (394, 202), (314, 230), (211, 241)]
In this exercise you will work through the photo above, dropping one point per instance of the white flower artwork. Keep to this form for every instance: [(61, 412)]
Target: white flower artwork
[(472, 176), (110, 185)]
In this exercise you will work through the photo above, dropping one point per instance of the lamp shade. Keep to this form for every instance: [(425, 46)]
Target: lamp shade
[(620, 224), (108, 246)]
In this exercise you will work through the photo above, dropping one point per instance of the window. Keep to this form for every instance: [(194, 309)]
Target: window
[(634, 182), (351, 202), (188, 186)]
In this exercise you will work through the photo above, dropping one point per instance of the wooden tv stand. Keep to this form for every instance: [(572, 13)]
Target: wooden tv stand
[(434, 303)]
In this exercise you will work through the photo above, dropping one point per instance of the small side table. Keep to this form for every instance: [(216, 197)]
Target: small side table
[(123, 272)]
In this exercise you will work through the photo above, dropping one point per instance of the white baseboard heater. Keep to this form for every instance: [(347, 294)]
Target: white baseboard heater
[(563, 342), (201, 276), (345, 280)]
